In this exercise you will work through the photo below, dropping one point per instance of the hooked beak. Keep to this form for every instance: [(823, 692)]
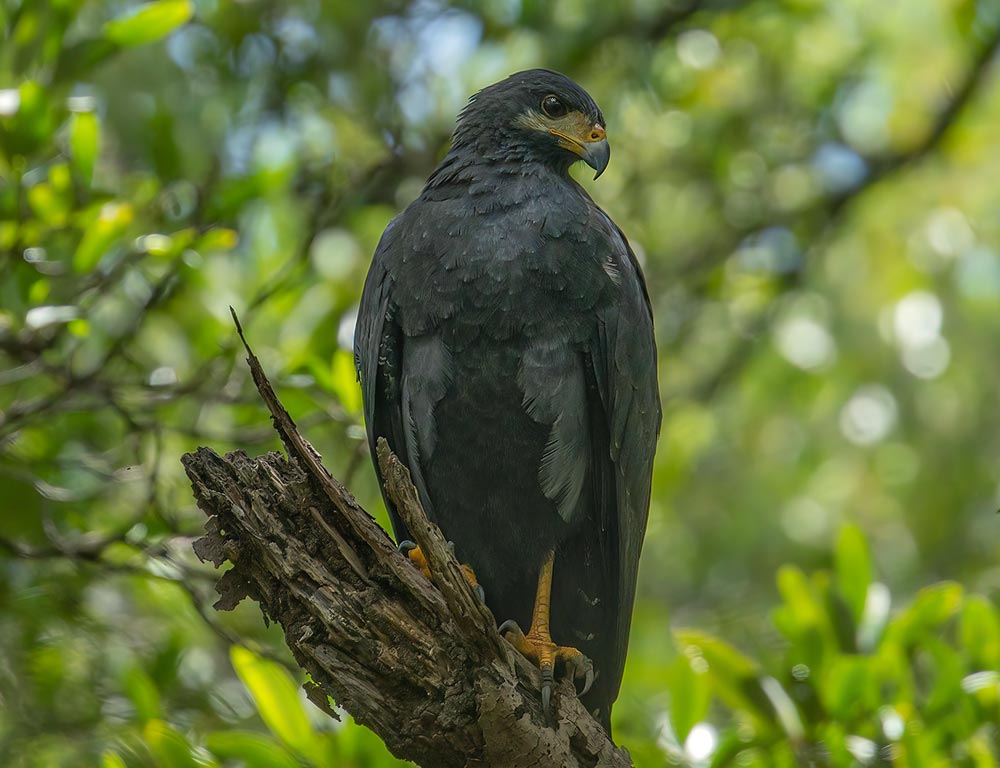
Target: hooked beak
[(597, 155), (592, 146)]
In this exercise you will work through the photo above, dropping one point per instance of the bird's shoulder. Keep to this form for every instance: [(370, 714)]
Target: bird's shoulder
[(540, 253)]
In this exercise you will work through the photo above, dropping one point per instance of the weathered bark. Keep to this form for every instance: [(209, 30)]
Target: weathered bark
[(419, 663)]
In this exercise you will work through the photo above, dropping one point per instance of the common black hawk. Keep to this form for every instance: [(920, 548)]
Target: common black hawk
[(505, 348)]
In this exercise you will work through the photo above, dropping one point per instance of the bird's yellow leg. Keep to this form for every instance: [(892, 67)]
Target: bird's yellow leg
[(412, 551), (537, 645)]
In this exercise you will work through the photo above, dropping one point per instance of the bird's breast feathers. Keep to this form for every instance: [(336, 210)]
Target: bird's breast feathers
[(528, 268)]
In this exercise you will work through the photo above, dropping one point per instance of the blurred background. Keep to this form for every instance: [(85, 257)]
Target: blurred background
[(813, 187)]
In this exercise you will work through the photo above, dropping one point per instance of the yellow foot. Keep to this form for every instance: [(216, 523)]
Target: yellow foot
[(537, 646), (412, 551)]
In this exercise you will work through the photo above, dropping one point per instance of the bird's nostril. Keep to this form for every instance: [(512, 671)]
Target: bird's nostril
[(595, 135)]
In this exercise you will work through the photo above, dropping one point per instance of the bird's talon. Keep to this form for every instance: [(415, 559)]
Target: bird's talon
[(512, 627), (547, 696), (538, 647), (411, 551), (589, 681), (582, 667)]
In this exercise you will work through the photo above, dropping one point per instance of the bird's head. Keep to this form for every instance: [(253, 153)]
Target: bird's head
[(536, 115)]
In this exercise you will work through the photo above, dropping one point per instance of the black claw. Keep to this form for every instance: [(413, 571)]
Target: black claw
[(547, 680), (481, 593), (589, 681), (581, 666), (406, 546), (510, 626)]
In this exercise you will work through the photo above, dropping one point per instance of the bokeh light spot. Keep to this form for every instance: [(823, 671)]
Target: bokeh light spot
[(869, 416)]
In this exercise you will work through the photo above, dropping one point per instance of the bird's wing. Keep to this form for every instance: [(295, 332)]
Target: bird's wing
[(378, 357), (623, 356), (370, 324)]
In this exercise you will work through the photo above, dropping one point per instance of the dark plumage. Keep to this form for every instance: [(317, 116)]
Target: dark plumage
[(505, 349)]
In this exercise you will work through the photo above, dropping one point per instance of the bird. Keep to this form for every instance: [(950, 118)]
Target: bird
[(505, 349)]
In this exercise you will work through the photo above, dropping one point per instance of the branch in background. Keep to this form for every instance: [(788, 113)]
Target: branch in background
[(419, 663), (946, 120), (828, 209), (676, 14), (830, 212)]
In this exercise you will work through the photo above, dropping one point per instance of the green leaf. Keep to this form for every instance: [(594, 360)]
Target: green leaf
[(690, 694), (802, 618), (841, 617), (933, 606), (48, 205), (141, 690), (846, 687), (31, 123), (170, 749), (252, 748), (721, 657), (149, 22), (947, 678), (853, 569), (918, 748), (112, 760), (111, 222), (76, 60), (78, 327), (39, 291), (218, 239), (357, 745), (277, 699), (979, 627), (733, 749), (84, 143), (833, 737), (735, 677), (798, 595)]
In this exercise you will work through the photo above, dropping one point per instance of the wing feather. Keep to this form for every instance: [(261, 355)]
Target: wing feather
[(378, 358), (623, 356)]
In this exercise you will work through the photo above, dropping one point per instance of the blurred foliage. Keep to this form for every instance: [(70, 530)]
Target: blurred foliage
[(854, 684), (812, 185)]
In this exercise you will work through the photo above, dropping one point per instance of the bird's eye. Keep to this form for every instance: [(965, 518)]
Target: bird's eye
[(553, 106)]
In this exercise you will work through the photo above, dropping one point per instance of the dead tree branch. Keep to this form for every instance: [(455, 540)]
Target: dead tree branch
[(418, 662)]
